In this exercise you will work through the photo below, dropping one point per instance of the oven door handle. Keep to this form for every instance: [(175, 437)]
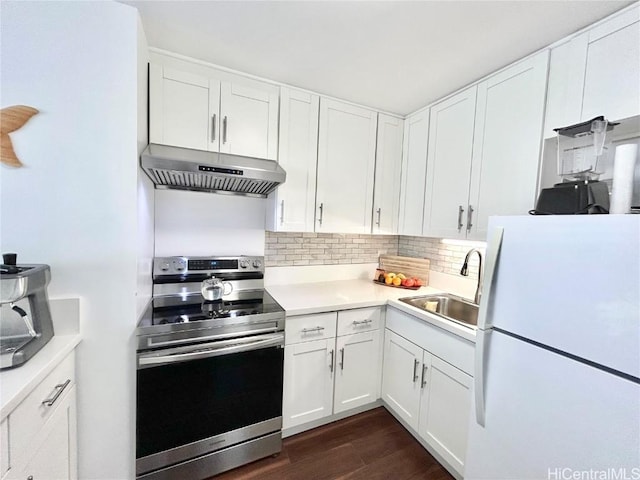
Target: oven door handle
[(272, 341), (182, 341)]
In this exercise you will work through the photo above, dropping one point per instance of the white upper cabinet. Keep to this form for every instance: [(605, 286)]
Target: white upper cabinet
[(596, 73), (414, 167), (507, 139), (292, 205), (449, 165), (194, 106), (184, 109), (249, 119), (386, 197), (346, 160), (612, 76)]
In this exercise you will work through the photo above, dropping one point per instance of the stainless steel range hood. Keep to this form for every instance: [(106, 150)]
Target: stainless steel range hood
[(187, 169)]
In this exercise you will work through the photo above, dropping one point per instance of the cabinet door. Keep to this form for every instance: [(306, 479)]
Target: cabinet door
[(414, 168), (612, 76), (449, 165), (249, 119), (52, 454), (386, 197), (566, 84), (346, 159), (308, 381), (507, 139), (183, 109), (294, 200), (358, 370), (444, 410), (401, 377)]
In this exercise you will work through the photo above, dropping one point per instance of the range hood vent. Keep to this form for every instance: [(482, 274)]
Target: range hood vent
[(187, 169)]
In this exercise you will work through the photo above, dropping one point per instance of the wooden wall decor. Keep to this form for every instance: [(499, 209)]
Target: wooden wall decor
[(11, 119)]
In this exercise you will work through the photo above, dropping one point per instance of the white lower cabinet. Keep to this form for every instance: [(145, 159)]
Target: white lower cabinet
[(431, 395), (308, 381), (357, 374), (400, 386), (41, 437), (444, 411), (325, 374)]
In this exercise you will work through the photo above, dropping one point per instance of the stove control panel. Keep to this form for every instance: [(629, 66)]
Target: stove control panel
[(164, 266)]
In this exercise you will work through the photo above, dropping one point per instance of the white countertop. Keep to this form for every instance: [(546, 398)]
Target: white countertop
[(17, 383), (306, 298)]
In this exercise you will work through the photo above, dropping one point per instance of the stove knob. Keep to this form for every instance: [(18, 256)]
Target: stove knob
[(244, 263), (257, 263), (164, 267)]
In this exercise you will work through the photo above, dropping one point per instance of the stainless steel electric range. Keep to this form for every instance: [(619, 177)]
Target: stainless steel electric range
[(209, 372)]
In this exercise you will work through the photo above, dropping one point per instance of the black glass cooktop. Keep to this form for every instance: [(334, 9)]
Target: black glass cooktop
[(193, 308)]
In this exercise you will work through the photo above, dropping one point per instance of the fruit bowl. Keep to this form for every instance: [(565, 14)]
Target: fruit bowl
[(396, 286)]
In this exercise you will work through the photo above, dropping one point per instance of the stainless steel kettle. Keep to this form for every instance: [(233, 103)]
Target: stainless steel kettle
[(214, 289)]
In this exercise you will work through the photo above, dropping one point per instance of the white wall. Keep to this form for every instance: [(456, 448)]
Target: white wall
[(197, 223), (74, 204)]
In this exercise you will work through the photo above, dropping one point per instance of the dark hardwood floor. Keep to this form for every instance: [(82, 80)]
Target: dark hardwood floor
[(371, 445)]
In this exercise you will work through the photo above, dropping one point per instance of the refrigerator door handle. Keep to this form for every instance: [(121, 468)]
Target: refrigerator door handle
[(482, 348), (493, 253)]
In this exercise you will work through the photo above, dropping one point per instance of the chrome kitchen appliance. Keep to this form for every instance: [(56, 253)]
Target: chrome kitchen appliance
[(209, 372), (188, 169), (25, 318)]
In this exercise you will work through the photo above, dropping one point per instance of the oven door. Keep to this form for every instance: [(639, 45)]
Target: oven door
[(197, 399)]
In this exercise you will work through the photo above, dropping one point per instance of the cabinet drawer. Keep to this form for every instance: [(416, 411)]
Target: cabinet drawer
[(358, 320), (30, 416), (304, 328)]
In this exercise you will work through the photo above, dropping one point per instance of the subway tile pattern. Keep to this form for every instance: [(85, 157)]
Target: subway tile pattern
[(445, 258), (296, 248)]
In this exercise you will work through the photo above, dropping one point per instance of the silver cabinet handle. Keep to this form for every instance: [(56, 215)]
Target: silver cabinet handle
[(424, 375), (469, 216), (213, 128), (342, 358), (460, 212), (224, 129), (415, 369), (312, 330), (362, 322), (59, 389), (331, 364), (321, 207), (378, 212), (282, 212)]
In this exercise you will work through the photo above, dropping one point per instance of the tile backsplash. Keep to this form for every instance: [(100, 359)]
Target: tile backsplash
[(297, 248), (445, 257)]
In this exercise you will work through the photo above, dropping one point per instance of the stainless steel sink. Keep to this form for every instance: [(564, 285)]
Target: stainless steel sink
[(447, 306)]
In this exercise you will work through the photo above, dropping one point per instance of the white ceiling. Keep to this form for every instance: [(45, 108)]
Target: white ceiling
[(396, 56)]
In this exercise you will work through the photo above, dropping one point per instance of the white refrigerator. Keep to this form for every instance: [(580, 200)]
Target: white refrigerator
[(557, 373)]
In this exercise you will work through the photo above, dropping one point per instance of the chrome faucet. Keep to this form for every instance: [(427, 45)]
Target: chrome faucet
[(464, 271)]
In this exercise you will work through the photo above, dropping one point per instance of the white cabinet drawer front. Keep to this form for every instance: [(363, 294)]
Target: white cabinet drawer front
[(358, 320), (305, 328), (30, 416), (451, 348)]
